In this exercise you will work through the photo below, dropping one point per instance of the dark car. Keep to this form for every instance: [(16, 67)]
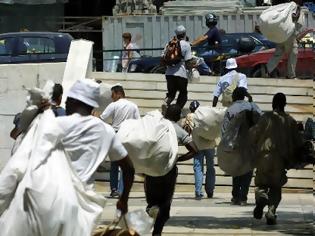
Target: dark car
[(233, 44), (34, 47)]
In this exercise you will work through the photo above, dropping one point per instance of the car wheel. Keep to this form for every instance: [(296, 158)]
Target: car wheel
[(158, 69)]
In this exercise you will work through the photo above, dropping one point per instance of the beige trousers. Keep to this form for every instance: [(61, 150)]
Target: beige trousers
[(291, 48)]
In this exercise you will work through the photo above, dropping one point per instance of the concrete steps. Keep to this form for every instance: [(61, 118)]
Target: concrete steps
[(148, 91)]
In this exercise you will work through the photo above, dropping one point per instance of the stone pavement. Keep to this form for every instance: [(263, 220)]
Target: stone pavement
[(217, 217)]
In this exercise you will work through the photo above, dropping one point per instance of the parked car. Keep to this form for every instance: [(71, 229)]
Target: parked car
[(233, 44), (253, 65), (34, 47)]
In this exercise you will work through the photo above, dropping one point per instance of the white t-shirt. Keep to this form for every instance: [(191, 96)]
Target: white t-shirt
[(133, 54), (87, 142), (226, 80), (120, 111), (180, 69)]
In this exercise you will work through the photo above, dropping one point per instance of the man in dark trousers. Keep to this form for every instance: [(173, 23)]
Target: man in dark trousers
[(276, 138), (159, 190)]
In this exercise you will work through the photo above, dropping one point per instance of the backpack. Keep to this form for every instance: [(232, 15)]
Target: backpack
[(173, 53), (227, 93)]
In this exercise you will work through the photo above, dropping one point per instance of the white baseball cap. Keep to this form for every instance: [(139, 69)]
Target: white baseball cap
[(231, 63), (86, 91), (180, 30)]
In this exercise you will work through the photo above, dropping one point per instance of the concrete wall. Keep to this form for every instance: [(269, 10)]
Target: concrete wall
[(13, 96)]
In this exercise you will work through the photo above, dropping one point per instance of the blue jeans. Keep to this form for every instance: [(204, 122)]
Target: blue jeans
[(114, 178), (210, 173)]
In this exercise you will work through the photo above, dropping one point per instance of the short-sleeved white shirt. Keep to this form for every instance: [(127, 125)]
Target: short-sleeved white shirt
[(87, 142), (226, 80), (183, 137), (120, 111), (180, 69)]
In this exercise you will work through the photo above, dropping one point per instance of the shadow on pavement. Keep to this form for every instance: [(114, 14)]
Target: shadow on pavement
[(288, 223)]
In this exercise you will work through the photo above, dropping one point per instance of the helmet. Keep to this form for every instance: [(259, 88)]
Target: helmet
[(211, 19), (194, 105)]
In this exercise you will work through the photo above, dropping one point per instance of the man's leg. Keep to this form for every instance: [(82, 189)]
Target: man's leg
[(274, 196), (236, 188), (113, 177), (182, 87), (292, 50), (261, 197), (120, 182), (275, 59), (210, 174), (245, 183), (159, 192), (171, 88), (198, 171)]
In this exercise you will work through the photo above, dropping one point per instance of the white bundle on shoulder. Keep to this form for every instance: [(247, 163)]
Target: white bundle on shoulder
[(276, 22), (151, 143), (207, 131), (33, 101)]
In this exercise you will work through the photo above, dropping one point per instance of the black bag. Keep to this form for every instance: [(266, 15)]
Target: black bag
[(173, 53)]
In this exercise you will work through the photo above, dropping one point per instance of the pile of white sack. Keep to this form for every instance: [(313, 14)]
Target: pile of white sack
[(151, 143)]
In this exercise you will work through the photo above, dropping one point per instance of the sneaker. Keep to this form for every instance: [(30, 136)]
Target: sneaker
[(198, 196), (235, 201), (114, 194), (259, 209), (210, 195), (271, 218)]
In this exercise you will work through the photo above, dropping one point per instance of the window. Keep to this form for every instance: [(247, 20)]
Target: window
[(32, 45), (6, 46)]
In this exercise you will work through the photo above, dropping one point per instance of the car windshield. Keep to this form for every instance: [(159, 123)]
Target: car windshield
[(6, 46)]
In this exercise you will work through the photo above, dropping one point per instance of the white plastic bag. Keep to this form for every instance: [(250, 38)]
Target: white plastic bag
[(193, 76), (276, 22), (207, 131), (151, 143), (138, 221)]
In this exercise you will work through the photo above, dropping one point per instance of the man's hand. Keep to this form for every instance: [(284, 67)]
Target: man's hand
[(122, 206), (44, 105)]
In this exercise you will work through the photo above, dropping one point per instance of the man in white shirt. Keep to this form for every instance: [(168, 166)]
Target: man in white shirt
[(228, 83), (118, 111), (176, 75), (88, 140)]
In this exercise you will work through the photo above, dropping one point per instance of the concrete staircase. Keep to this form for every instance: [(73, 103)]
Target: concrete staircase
[(148, 91)]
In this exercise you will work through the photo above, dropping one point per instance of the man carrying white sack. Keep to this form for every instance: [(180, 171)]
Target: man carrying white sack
[(43, 188), (159, 190), (289, 46), (240, 183), (119, 110)]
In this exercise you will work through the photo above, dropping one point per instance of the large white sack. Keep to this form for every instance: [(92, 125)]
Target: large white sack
[(234, 154), (276, 22), (45, 196), (151, 143), (207, 130)]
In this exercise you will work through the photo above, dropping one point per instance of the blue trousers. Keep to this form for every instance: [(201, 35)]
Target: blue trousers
[(207, 154)]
